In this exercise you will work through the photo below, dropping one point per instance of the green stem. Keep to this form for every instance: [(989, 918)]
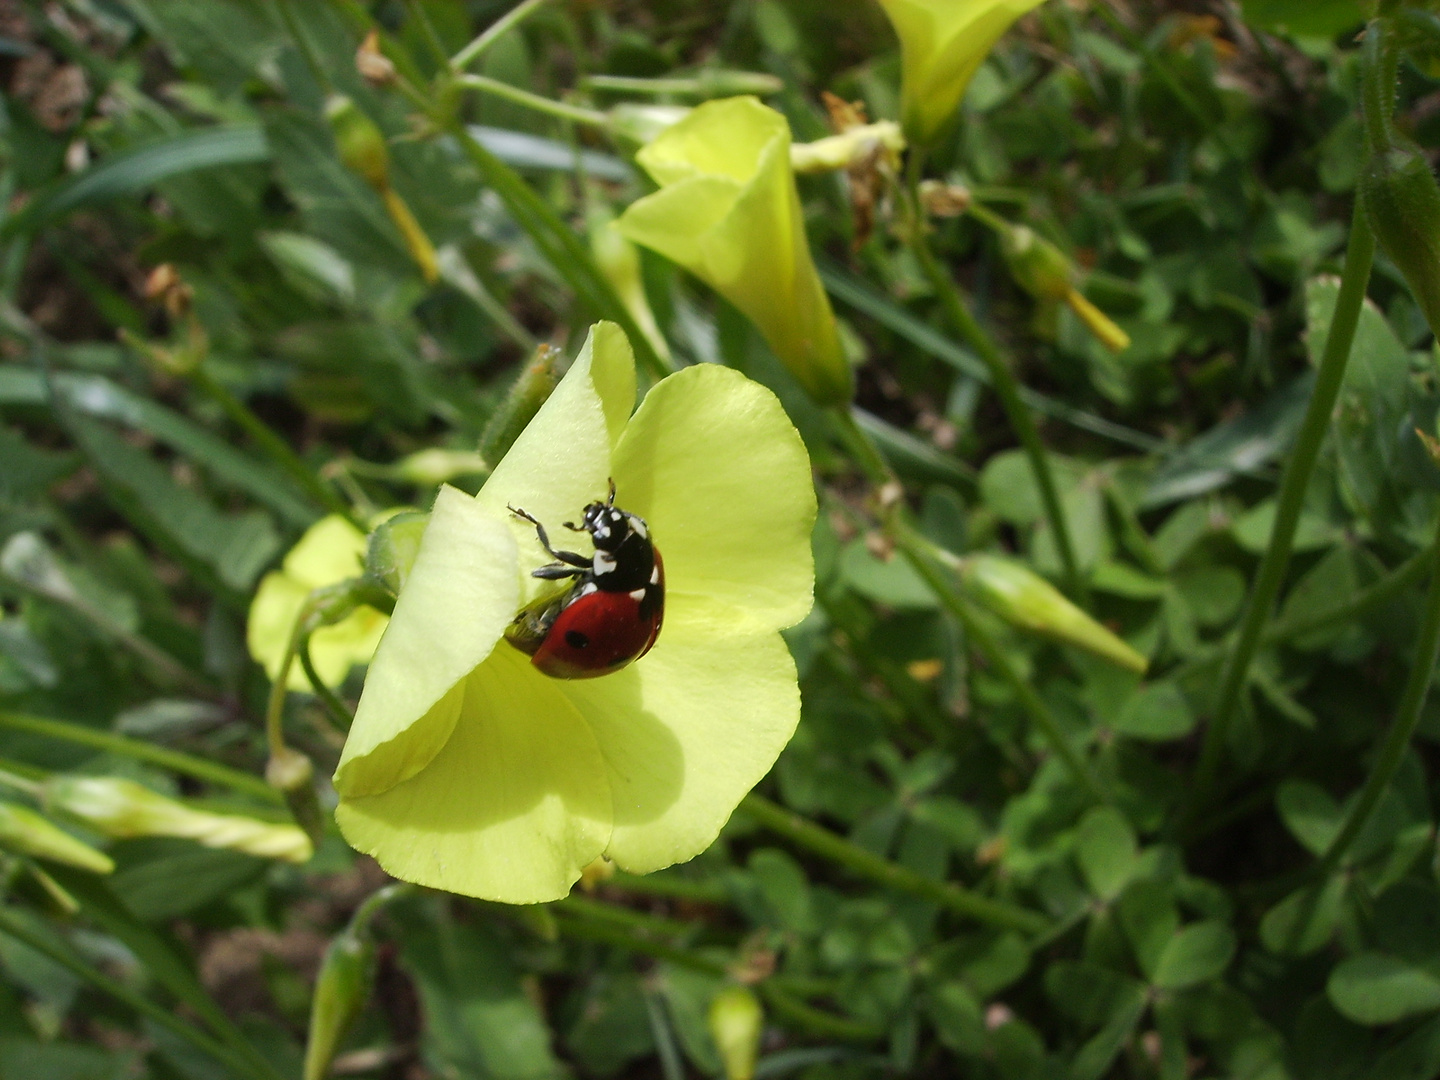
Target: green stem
[(858, 441), (187, 764), (1002, 378), (1407, 718), (837, 849), (538, 102), (273, 446), (493, 33), (339, 715), (162, 1017), (818, 1021), (1293, 483), (919, 552)]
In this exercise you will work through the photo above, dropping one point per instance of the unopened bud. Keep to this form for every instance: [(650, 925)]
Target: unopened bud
[(1402, 203), (619, 261), (373, 65), (392, 549), (533, 387), (1038, 266), (164, 286), (123, 808), (854, 145), (340, 992), (1097, 322), (640, 124), (361, 144), (1022, 597), (940, 199), (435, 466), (25, 832), (735, 1021), (290, 772)]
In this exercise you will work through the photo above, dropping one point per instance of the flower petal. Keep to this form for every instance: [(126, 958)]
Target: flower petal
[(331, 550), (708, 438), (334, 650), (513, 807), (277, 604), (461, 593), (685, 733), (561, 461)]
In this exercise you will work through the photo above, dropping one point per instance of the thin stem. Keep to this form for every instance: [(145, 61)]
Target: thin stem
[(920, 553), (16, 929), (1407, 718), (197, 767), (272, 445), (1002, 378), (493, 33), (862, 446), (339, 715), (20, 783), (951, 897), (538, 102), (275, 704), (629, 84), (1293, 483)]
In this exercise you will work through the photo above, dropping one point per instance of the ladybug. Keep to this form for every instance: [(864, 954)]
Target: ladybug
[(612, 612)]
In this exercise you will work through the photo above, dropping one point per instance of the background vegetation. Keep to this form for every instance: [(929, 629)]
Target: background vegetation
[(923, 886)]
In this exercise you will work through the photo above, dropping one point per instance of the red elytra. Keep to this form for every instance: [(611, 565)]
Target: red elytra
[(612, 613)]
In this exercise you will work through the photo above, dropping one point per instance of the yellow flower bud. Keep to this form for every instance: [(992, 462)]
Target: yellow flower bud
[(27, 833), (123, 808), (727, 211), (1021, 596), (942, 45), (735, 1022)]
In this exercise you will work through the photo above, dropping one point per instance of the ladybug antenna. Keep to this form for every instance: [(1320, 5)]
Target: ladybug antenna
[(612, 492)]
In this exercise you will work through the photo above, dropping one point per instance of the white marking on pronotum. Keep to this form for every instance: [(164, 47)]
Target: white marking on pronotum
[(638, 528), (587, 589), (638, 595), (604, 563)]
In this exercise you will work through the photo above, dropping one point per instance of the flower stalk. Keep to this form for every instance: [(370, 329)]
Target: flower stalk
[(1359, 256)]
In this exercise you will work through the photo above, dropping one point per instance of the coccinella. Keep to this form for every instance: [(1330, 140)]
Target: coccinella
[(611, 615)]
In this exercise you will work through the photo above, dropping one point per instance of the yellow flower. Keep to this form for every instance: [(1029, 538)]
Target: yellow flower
[(331, 551), (727, 211), (469, 770), (942, 45)]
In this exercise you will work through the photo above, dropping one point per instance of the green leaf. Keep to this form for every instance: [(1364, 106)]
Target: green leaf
[(1196, 954), (1321, 18), (1305, 920), (886, 581), (149, 869), (1149, 919), (1107, 852), (1375, 988), (132, 171), (1310, 814), (1415, 1057), (1156, 712)]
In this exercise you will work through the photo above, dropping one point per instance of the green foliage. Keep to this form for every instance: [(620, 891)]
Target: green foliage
[(929, 886)]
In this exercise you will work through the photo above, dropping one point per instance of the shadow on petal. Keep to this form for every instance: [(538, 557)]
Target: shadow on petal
[(512, 808)]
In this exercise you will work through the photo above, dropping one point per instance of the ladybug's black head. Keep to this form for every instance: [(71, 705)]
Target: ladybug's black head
[(607, 526)]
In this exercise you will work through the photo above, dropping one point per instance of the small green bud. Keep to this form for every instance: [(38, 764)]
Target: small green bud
[(25, 832), (640, 124), (735, 1021), (1038, 266), (340, 991), (392, 549), (436, 466), (1022, 597), (361, 144), (530, 390), (290, 772), (1402, 204), (123, 808)]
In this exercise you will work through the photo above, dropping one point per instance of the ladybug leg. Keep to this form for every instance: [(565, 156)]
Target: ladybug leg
[(567, 563)]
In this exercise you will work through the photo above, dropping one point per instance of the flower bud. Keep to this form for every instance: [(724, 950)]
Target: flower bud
[(1022, 597), (392, 550), (436, 466), (1402, 203), (851, 146), (532, 389), (735, 1021), (340, 991), (27, 833), (642, 124), (123, 808), (361, 144), (618, 260), (373, 65), (1046, 273), (290, 772), (940, 199)]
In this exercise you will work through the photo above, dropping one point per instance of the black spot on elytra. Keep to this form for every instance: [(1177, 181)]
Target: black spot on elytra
[(576, 640)]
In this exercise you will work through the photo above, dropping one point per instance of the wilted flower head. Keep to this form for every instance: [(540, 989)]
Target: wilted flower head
[(727, 211), (469, 770), (331, 551), (942, 45)]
